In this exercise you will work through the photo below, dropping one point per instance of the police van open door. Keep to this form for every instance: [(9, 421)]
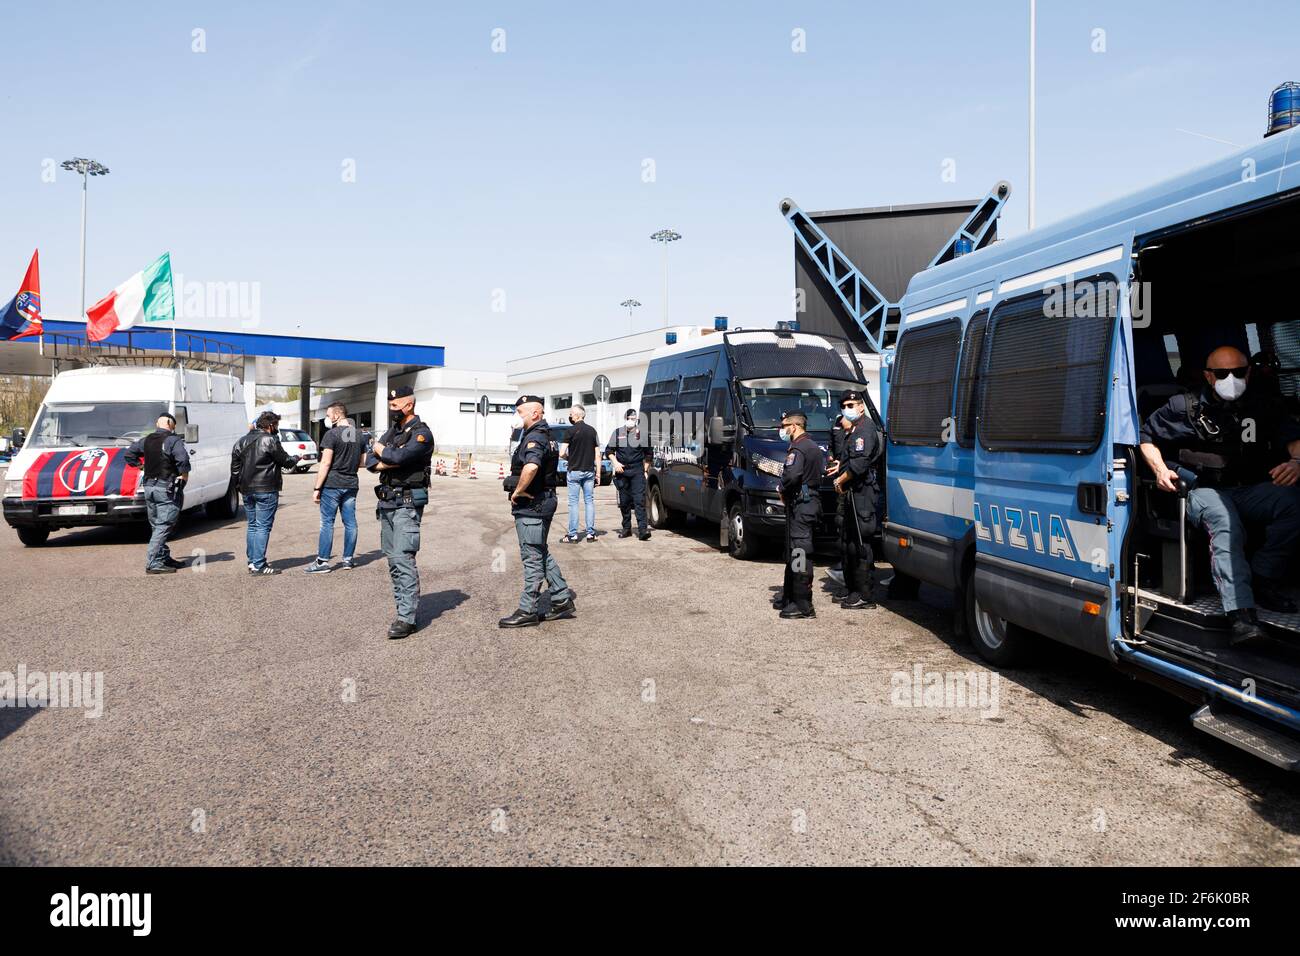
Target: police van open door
[(1045, 470), (1092, 323)]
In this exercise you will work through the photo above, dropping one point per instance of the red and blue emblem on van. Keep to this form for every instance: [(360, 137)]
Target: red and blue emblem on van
[(81, 473)]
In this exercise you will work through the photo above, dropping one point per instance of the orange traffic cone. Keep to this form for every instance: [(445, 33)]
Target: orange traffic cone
[(501, 471), (473, 470)]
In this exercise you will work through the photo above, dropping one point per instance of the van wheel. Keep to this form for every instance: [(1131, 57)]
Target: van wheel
[(660, 515), (33, 537), (997, 640), (225, 506), (741, 543)]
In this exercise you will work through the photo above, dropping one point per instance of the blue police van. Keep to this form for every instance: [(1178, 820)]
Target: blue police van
[(712, 405), (1016, 390)]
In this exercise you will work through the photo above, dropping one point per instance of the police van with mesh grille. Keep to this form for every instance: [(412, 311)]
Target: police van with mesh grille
[(711, 406), (1021, 376)]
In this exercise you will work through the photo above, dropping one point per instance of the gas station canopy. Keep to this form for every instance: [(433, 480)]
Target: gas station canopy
[(259, 358)]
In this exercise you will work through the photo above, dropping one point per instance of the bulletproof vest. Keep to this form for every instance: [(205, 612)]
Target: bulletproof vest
[(546, 477), (407, 476), (1219, 455), (157, 463)]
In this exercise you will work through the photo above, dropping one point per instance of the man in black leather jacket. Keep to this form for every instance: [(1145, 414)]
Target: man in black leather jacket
[(255, 464)]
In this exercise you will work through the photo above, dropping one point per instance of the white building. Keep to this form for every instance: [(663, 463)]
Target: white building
[(564, 377), (445, 398)]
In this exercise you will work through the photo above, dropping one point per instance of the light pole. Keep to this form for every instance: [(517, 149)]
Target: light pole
[(664, 237), (1033, 30), (87, 168), (630, 304)]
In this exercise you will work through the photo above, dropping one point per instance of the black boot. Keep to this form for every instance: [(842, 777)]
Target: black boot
[(400, 629), (644, 535), (1271, 597), (520, 618), (625, 533), (1244, 627), (564, 609), (793, 611), (857, 602), (779, 601)]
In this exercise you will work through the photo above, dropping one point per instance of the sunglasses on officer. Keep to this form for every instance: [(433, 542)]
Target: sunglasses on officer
[(1222, 373)]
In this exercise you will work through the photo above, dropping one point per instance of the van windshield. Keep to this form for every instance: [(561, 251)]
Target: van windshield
[(820, 401), (94, 423)]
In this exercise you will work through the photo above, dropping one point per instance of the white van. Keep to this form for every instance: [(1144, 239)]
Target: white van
[(72, 469)]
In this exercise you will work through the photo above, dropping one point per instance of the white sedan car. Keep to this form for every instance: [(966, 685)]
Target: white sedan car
[(297, 442)]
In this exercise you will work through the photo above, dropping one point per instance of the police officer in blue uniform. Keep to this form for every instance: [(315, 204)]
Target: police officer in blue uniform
[(166, 468), (1239, 454), (531, 486), (401, 459), (856, 482), (626, 451), (801, 481)]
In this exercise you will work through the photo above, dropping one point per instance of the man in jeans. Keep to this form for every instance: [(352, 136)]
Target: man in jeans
[(166, 465), (255, 465), (336, 489), (580, 453)]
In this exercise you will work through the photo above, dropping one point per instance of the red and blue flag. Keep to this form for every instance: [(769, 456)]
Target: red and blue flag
[(22, 315)]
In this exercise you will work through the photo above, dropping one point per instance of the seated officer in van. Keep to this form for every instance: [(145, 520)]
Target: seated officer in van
[(1240, 456)]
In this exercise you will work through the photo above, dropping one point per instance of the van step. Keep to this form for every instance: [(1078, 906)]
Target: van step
[(1278, 748)]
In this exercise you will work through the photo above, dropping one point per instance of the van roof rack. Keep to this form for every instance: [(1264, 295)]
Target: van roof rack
[(189, 351)]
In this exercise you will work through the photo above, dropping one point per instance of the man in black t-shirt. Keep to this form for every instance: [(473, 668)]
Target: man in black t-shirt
[(580, 454), (336, 488)]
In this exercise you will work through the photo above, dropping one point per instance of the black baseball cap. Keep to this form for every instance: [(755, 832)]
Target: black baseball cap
[(525, 399), (402, 391), (852, 396)]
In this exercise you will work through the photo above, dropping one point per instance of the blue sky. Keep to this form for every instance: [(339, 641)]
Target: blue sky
[(522, 171)]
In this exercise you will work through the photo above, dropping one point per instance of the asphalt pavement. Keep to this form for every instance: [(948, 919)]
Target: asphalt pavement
[(676, 720)]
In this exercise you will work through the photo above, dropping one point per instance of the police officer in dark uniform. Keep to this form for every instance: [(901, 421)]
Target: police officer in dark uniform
[(839, 434), (1238, 453), (531, 486), (626, 450), (856, 482), (801, 481), (401, 459), (166, 469)]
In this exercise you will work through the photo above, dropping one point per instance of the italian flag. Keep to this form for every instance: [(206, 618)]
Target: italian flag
[(145, 297)]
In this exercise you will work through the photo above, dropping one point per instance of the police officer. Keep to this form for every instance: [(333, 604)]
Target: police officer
[(166, 469), (401, 459), (531, 486), (626, 451), (801, 481), (856, 483), (839, 434), (1239, 454)]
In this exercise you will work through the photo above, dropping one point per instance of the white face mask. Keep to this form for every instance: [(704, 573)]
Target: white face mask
[(1231, 388)]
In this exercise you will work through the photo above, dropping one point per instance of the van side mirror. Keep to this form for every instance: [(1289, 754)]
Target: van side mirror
[(719, 432), (191, 433)]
